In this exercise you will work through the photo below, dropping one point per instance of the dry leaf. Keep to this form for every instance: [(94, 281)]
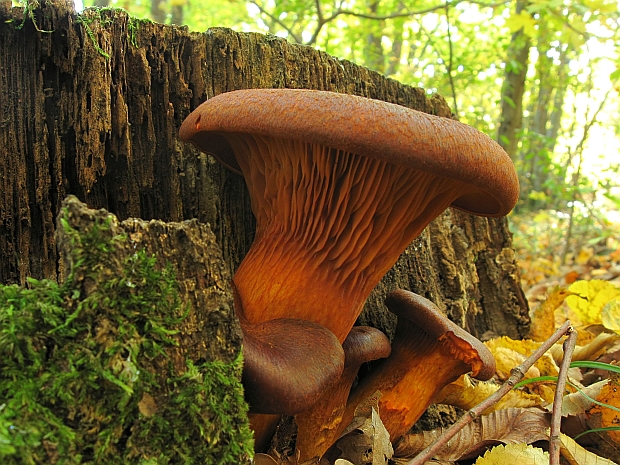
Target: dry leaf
[(576, 403), (263, 459), (368, 443), (514, 453), (543, 318), (509, 353), (610, 395), (281, 459), (465, 395), (591, 351), (610, 315), (507, 426), (577, 455)]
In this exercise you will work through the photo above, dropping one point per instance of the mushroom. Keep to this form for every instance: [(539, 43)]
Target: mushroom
[(340, 185), (317, 427), (428, 352)]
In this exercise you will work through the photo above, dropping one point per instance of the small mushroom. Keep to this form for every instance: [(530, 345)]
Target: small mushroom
[(317, 427), (428, 352), (288, 363), (340, 185)]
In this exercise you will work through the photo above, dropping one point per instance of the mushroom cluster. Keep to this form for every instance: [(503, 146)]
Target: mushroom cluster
[(339, 185)]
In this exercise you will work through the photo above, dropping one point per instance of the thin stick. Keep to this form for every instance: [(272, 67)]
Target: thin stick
[(556, 413), (516, 375)]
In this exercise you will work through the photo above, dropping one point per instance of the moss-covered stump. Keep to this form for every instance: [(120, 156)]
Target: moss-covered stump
[(135, 358)]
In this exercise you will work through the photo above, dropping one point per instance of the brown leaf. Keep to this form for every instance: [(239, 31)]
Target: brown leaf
[(508, 426), (576, 403), (368, 443), (590, 351)]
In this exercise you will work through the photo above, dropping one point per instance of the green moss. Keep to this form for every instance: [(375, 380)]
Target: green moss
[(77, 383)]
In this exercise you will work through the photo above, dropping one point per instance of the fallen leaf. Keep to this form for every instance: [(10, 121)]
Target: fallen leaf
[(591, 297), (543, 317), (506, 426), (368, 443), (591, 351), (577, 403), (514, 453), (610, 315), (465, 395), (609, 395), (577, 455)]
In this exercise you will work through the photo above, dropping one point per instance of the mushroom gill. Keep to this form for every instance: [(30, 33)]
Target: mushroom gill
[(330, 224)]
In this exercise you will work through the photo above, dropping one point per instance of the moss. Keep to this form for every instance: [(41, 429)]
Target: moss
[(77, 377)]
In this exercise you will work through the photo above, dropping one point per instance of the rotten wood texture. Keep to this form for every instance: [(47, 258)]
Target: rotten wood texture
[(93, 107)]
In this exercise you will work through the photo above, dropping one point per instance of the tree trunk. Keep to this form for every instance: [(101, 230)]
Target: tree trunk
[(93, 110), (511, 119)]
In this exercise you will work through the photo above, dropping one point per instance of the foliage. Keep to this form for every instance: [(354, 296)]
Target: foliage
[(465, 50), (78, 377)]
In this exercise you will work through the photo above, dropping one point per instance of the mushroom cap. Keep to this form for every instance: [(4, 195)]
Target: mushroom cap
[(288, 364), (367, 127), (365, 344), (424, 314)]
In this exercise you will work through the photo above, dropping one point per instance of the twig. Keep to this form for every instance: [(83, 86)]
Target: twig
[(450, 61), (516, 375), (556, 413)]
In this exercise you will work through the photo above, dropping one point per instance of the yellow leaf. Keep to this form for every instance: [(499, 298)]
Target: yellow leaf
[(509, 353), (585, 254), (601, 6), (590, 351), (522, 454), (543, 318), (591, 297), (577, 455), (610, 395), (610, 315), (465, 395), (524, 21)]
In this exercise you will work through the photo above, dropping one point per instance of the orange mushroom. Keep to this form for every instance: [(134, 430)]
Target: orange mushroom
[(428, 352), (317, 427), (340, 185)]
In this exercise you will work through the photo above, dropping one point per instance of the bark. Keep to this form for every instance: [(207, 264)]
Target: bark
[(93, 110)]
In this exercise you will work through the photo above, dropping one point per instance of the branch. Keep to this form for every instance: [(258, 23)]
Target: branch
[(556, 413), (406, 14), (276, 20)]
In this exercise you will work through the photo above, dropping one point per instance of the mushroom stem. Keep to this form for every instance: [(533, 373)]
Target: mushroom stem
[(264, 427), (428, 352), (317, 427)]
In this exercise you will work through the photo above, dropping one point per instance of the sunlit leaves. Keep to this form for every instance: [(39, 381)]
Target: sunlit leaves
[(591, 297)]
